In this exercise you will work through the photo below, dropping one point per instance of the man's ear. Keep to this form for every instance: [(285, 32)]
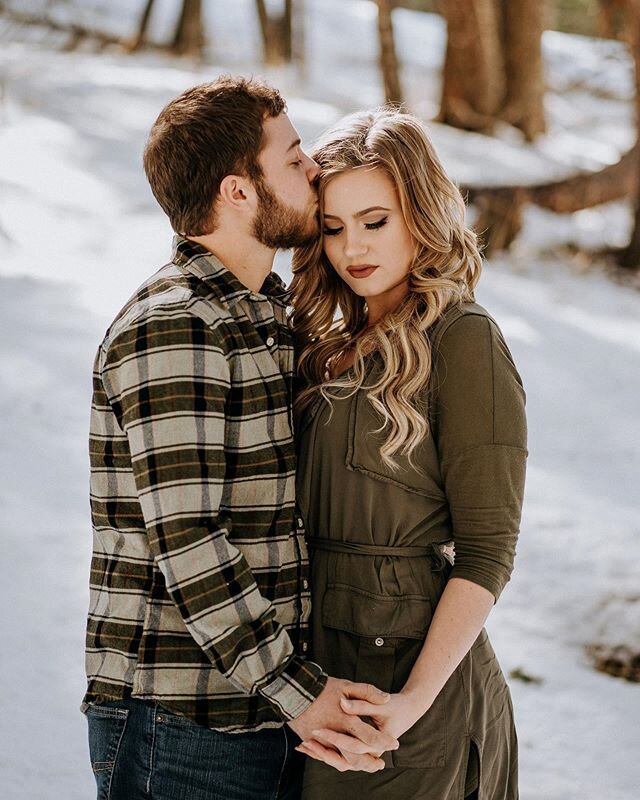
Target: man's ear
[(238, 193)]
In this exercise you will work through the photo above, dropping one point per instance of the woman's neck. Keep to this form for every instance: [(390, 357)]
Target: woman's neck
[(382, 304)]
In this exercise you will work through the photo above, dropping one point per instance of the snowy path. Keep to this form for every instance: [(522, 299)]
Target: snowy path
[(579, 528), (577, 343)]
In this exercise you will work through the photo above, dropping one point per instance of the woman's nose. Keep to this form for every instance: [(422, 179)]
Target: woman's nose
[(354, 245)]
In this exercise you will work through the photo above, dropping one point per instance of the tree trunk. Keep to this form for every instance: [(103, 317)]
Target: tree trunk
[(523, 24), (493, 65), (611, 18), (298, 44), (499, 218), (388, 57), (473, 82), (615, 182), (288, 30), (143, 26), (189, 36), (277, 33), (630, 257)]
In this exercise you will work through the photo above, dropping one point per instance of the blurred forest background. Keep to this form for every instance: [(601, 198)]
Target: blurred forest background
[(492, 76), (533, 106)]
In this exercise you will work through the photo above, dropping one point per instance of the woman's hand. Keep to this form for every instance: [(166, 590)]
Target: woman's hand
[(361, 743), (457, 622), (395, 717), (399, 713)]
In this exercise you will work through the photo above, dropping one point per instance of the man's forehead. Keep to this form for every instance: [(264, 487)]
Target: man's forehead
[(280, 133)]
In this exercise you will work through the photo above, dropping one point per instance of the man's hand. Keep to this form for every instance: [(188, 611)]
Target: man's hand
[(395, 717), (360, 744)]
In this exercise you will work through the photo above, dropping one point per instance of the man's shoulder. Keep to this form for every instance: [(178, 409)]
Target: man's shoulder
[(168, 294)]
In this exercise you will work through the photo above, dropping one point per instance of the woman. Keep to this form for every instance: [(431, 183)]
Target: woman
[(412, 441)]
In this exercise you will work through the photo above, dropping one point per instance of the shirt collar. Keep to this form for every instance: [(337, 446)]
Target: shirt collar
[(205, 265)]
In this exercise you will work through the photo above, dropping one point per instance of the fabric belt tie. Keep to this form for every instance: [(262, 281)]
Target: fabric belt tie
[(442, 551)]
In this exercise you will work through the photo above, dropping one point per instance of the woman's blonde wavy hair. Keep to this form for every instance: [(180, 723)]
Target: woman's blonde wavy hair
[(329, 318)]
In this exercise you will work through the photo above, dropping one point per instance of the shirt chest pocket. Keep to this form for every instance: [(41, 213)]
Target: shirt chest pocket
[(381, 637), (365, 441)]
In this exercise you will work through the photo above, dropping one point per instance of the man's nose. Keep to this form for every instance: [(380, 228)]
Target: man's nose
[(312, 169)]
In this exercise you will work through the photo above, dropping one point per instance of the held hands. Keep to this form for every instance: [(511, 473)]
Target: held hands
[(394, 718), (357, 744)]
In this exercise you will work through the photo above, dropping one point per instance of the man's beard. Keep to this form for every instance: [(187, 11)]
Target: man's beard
[(279, 226)]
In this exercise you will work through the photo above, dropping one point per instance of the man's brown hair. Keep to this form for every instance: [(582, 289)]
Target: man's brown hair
[(204, 134)]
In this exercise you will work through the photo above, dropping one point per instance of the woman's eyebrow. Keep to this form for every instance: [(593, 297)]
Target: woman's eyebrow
[(360, 213)]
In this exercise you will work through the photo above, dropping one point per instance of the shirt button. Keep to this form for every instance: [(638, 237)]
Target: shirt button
[(305, 584), (379, 641), (305, 647), (270, 341)]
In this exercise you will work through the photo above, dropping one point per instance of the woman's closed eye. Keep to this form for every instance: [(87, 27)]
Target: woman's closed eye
[(370, 226), (374, 226), (331, 231)]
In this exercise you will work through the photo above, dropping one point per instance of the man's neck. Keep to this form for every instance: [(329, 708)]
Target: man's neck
[(247, 259)]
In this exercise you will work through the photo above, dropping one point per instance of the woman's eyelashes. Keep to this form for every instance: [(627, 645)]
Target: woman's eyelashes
[(331, 231), (373, 226), (370, 226)]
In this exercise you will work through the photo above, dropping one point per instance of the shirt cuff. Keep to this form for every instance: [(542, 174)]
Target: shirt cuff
[(295, 688)]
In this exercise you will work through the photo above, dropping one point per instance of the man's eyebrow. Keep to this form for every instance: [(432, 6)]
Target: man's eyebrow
[(293, 144), (360, 213)]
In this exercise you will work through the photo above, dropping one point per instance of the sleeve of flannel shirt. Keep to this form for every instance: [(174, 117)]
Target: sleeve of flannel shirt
[(167, 380)]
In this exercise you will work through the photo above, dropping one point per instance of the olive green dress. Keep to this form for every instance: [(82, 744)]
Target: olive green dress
[(379, 564)]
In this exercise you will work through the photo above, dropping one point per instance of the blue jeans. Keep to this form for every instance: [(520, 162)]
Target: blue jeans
[(141, 752)]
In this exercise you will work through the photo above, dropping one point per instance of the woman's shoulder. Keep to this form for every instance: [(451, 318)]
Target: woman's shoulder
[(468, 349), (462, 323)]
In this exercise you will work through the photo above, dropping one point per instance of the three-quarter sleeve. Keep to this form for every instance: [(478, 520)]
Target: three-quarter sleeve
[(478, 408)]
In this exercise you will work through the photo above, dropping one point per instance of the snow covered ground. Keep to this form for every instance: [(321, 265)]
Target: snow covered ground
[(74, 205)]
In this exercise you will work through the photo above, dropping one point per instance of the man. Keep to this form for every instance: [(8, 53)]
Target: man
[(198, 620)]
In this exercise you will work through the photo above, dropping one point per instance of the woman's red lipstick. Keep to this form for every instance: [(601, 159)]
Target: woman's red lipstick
[(361, 270)]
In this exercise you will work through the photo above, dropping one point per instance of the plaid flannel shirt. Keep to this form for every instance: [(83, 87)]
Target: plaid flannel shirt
[(199, 578)]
